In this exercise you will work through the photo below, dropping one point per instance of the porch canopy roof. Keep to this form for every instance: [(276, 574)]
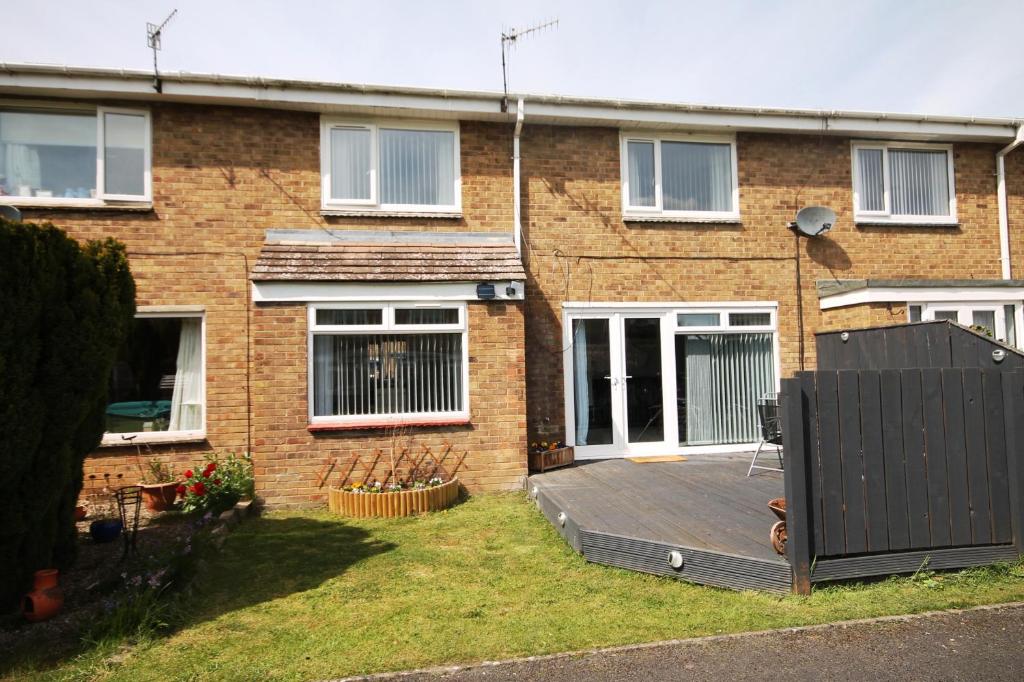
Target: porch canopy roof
[(844, 292), (370, 256), (342, 264)]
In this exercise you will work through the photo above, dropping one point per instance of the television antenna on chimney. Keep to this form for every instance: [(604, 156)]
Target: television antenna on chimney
[(153, 35), (510, 39)]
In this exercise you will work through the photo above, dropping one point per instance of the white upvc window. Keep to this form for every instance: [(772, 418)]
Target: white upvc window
[(390, 166), (901, 182), (157, 389), (74, 155), (383, 364), (997, 319), (689, 177)]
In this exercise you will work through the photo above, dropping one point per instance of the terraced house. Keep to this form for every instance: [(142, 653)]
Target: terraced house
[(323, 268)]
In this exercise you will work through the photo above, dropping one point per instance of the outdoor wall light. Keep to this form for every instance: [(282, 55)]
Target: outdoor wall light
[(561, 518), (845, 336), (485, 292), (533, 491), (999, 355), (675, 559)]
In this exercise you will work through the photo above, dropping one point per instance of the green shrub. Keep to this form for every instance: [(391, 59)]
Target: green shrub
[(217, 485), (64, 310)]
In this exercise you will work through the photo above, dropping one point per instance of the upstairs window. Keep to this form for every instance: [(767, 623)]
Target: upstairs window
[(903, 183), (69, 156), (391, 167), (686, 177)]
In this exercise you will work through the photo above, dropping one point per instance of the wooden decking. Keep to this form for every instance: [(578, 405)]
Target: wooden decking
[(631, 515)]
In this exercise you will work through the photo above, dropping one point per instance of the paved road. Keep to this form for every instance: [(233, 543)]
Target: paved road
[(986, 644)]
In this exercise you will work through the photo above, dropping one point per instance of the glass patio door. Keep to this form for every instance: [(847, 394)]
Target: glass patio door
[(617, 384)]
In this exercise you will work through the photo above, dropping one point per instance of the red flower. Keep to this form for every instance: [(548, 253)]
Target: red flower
[(211, 467), (188, 474), (216, 481), (206, 474), (199, 489), (180, 490)]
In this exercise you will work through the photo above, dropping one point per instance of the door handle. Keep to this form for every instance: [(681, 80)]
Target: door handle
[(628, 376), (614, 380)]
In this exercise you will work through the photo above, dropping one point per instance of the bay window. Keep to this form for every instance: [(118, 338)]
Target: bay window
[(903, 183), (685, 177), (157, 386), (381, 364), (390, 166), (74, 156)]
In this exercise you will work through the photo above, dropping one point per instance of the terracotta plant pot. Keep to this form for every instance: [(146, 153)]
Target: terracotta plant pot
[(46, 598), (159, 496), (80, 513), (105, 530), (404, 503)]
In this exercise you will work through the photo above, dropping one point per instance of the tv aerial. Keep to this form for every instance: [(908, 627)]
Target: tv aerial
[(510, 39), (153, 36), (813, 221)]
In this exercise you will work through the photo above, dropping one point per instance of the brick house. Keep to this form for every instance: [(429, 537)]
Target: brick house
[(327, 269)]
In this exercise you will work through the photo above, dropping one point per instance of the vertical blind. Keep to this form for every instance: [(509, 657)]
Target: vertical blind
[(371, 374), (696, 176), (640, 166), (920, 182), (350, 163), (417, 167), (725, 375), (871, 180)]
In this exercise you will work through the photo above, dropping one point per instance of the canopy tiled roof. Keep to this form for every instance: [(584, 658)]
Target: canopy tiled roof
[(370, 256)]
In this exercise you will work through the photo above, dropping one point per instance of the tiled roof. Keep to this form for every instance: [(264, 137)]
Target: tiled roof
[(341, 256)]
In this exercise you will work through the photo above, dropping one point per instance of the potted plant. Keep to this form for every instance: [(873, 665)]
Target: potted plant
[(544, 455), (159, 486)]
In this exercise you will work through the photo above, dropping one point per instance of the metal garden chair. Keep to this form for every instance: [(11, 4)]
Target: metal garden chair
[(770, 420)]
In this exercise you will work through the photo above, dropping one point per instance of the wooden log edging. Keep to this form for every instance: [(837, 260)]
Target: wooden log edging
[(396, 504)]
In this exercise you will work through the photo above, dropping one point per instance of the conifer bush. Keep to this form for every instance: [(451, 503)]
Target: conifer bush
[(65, 308)]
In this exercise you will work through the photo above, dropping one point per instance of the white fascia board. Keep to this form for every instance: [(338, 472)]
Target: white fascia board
[(824, 123), (581, 305), (921, 295), (311, 292)]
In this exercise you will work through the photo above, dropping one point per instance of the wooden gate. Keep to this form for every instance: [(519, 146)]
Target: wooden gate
[(887, 471)]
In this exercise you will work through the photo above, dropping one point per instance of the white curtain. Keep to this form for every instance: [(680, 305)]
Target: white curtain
[(725, 375), (417, 167), (640, 164), (187, 399), (22, 167), (696, 176), (920, 182), (350, 163), (581, 381), (871, 180)]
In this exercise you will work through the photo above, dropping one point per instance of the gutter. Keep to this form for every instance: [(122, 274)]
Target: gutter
[(517, 235), (1004, 213)]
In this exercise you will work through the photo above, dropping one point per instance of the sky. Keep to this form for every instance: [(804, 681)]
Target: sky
[(933, 57)]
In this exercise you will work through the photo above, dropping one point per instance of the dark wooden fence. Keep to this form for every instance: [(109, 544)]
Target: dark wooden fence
[(889, 470)]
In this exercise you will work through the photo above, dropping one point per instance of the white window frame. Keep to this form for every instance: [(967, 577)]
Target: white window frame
[(886, 215), (102, 198), (965, 310), (387, 325), (630, 211), (329, 203), (141, 437)]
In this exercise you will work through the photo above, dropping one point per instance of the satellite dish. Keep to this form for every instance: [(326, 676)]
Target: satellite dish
[(814, 221)]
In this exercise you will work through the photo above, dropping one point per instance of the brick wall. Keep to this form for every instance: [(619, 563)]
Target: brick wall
[(221, 177), (580, 249)]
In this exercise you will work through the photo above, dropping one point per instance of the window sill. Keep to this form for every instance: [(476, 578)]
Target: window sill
[(81, 205), (372, 426), (151, 438), (731, 220), (868, 222), (356, 213)]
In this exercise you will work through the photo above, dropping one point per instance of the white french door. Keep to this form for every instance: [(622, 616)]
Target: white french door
[(618, 384)]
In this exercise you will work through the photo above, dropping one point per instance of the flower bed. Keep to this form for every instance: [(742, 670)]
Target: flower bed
[(543, 456), (395, 500)]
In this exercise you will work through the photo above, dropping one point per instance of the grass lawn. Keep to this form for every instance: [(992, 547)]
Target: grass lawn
[(308, 595)]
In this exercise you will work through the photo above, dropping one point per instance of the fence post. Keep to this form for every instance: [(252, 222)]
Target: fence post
[(795, 465), (1013, 406)]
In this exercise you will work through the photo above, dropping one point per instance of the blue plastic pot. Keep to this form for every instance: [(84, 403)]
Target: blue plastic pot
[(105, 530)]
